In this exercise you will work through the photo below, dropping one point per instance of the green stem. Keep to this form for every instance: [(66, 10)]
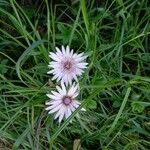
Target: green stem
[(120, 110), (85, 16)]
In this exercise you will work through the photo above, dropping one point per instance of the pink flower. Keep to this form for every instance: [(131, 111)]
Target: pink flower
[(63, 102), (66, 65)]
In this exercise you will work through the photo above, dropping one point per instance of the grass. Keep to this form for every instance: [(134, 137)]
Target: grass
[(115, 88)]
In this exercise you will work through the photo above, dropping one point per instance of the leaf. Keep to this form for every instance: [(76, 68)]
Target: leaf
[(137, 107), (3, 68), (91, 104), (25, 53)]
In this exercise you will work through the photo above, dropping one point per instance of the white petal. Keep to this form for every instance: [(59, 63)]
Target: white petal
[(75, 77), (71, 108), (70, 80), (75, 104), (67, 51), (55, 76), (80, 55), (53, 102), (59, 112), (74, 56), (82, 65), (63, 50), (53, 63), (54, 57), (55, 109), (60, 90), (75, 94), (83, 109), (51, 96), (79, 59), (62, 114), (71, 53), (65, 79), (72, 90), (56, 94), (58, 50), (56, 65), (59, 77), (63, 88), (67, 113), (59, 53), (50, 72), (61, 117), (79, 71), (52, 106), (62, 81), (58, 74)]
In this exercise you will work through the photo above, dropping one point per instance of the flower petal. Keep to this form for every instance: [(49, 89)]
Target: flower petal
[(55, 109), (67, 113), (54, 56)]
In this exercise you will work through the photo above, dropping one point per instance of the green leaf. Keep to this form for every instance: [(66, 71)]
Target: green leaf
[(3, 68), (137, 107), (91, 104), (25, 53)]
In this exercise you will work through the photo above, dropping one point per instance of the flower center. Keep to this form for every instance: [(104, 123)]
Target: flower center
[(67, 65), (67, 100)]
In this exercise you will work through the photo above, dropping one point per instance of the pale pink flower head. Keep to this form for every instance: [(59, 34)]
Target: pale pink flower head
[(63, 102), (66, 65)]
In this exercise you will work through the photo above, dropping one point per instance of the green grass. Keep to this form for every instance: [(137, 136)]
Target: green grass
[(115, 88)]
